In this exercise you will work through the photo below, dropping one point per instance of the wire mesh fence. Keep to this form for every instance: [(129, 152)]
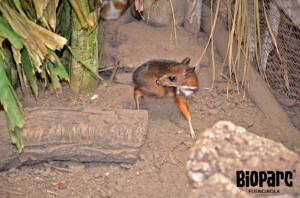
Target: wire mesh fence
[(282, 71), (280, 68)]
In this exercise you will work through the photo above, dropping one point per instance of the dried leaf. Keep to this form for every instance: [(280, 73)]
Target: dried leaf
[(37, 38), (40, 6), (46, 37), (51, 13), (270, 31), (83, 18), (17, 56)]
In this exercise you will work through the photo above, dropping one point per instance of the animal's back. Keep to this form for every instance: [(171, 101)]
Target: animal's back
[(167, 78), (145, 77)]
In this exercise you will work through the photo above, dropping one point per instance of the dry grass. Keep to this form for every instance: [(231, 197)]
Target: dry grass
[(244, 42)]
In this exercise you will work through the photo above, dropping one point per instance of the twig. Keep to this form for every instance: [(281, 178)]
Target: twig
[(11, 192), (62, 169), (211, 34), (52, 193), (172, 158), (113, 73), (226, 77), (106, 69), (270, 31), (208, 88), (174, 22), (102, 44)]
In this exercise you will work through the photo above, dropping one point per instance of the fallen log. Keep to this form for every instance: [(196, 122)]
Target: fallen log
[(86, 134)]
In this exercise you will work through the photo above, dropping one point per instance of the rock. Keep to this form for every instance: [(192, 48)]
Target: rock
[(125, 166), (218, 103), (36, 171), (210, 105), (143, 157), (247, 122), (11, 180), (12, 175), (213, 112), (223, 184), (221, 88), (97, 175), (225, 149), (291, 8), (159, 13), (12, 170), (118, 188), (46, 172), (214, 94), (155, 155), (75, 166)]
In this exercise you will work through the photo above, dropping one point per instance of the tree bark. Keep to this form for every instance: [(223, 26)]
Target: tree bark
[(85, 134), (86, 46)]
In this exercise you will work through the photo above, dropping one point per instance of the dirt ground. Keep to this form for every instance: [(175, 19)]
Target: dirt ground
[(160, 170)]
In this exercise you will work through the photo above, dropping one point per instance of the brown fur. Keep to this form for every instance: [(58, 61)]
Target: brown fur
[(161, 78), (146, 76), (119, 5)]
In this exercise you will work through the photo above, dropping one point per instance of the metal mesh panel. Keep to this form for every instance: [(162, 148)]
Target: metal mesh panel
[(283, 75)]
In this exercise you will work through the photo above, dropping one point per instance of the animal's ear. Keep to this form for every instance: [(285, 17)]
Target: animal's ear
[(190, 70), (186, 61)]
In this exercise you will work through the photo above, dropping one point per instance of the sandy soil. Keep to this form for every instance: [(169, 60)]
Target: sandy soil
[(160, 170)]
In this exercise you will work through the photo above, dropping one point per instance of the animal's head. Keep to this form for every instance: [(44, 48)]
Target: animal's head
[(178, 75)]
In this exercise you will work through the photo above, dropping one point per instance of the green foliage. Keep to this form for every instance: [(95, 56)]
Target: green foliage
[(11, 107), (8, 64), (16, 138), (8, 98), (7, 32), (59, 69), (29, 71), (56, 72), (33, 48), (63, 27)]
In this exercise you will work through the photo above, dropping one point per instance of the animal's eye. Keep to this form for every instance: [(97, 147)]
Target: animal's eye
[(172, 78)]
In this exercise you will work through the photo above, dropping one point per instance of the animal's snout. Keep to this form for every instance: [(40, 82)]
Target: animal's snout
[(158, 82)]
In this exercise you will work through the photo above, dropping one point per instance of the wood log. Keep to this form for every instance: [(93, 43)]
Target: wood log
[(86, 134), (193, 16)]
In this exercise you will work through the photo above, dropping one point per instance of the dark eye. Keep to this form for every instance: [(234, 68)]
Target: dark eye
[(172, 78)]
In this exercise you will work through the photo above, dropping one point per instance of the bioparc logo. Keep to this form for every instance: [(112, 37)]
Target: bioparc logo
[(264, 181)]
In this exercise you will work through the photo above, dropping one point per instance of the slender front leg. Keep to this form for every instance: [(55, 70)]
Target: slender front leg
[(182, 106), (137, 94)]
